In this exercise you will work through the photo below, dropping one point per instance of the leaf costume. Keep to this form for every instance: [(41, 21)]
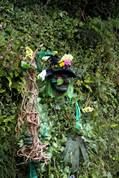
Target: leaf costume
[(56, 77)]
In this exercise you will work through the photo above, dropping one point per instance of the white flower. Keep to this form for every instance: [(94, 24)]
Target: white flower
[(45, 58), (87, 109), (42, 75), (67, 57)]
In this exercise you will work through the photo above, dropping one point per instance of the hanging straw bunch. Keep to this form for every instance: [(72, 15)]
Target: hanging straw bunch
[(29, 114)]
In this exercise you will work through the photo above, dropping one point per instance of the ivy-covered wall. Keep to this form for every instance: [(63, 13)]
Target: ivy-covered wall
[(94, 43)]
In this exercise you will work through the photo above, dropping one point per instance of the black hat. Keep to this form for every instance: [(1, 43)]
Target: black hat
[(68, 72), (59, 79), (58, 70)]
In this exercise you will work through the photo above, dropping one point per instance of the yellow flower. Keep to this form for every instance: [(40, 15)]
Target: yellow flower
[(61, 64), (29, 52), (66, 57)]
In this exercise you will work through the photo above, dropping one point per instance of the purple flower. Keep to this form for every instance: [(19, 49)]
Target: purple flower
[(67, 62)]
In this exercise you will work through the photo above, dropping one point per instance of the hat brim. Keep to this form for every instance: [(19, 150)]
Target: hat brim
[(67, 72)]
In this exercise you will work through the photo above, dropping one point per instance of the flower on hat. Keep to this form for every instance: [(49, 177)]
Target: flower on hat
[(67, 57), (65, 60), (45, 58), (42, 75), (61, 63)]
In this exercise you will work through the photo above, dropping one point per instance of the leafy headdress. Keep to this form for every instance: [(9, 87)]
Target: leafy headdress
[(57, 70)]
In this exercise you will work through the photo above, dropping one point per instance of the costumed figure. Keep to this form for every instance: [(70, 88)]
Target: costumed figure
[(55, 71)]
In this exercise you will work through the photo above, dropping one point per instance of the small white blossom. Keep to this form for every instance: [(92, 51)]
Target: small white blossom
[(67, 57), (87, 109), (42, 75), (45, 58)]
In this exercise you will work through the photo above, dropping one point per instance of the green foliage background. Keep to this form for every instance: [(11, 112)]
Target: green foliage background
[(94, 43)]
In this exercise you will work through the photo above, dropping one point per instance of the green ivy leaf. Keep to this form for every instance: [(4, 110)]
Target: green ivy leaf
[(60, 81), (70, 91)]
